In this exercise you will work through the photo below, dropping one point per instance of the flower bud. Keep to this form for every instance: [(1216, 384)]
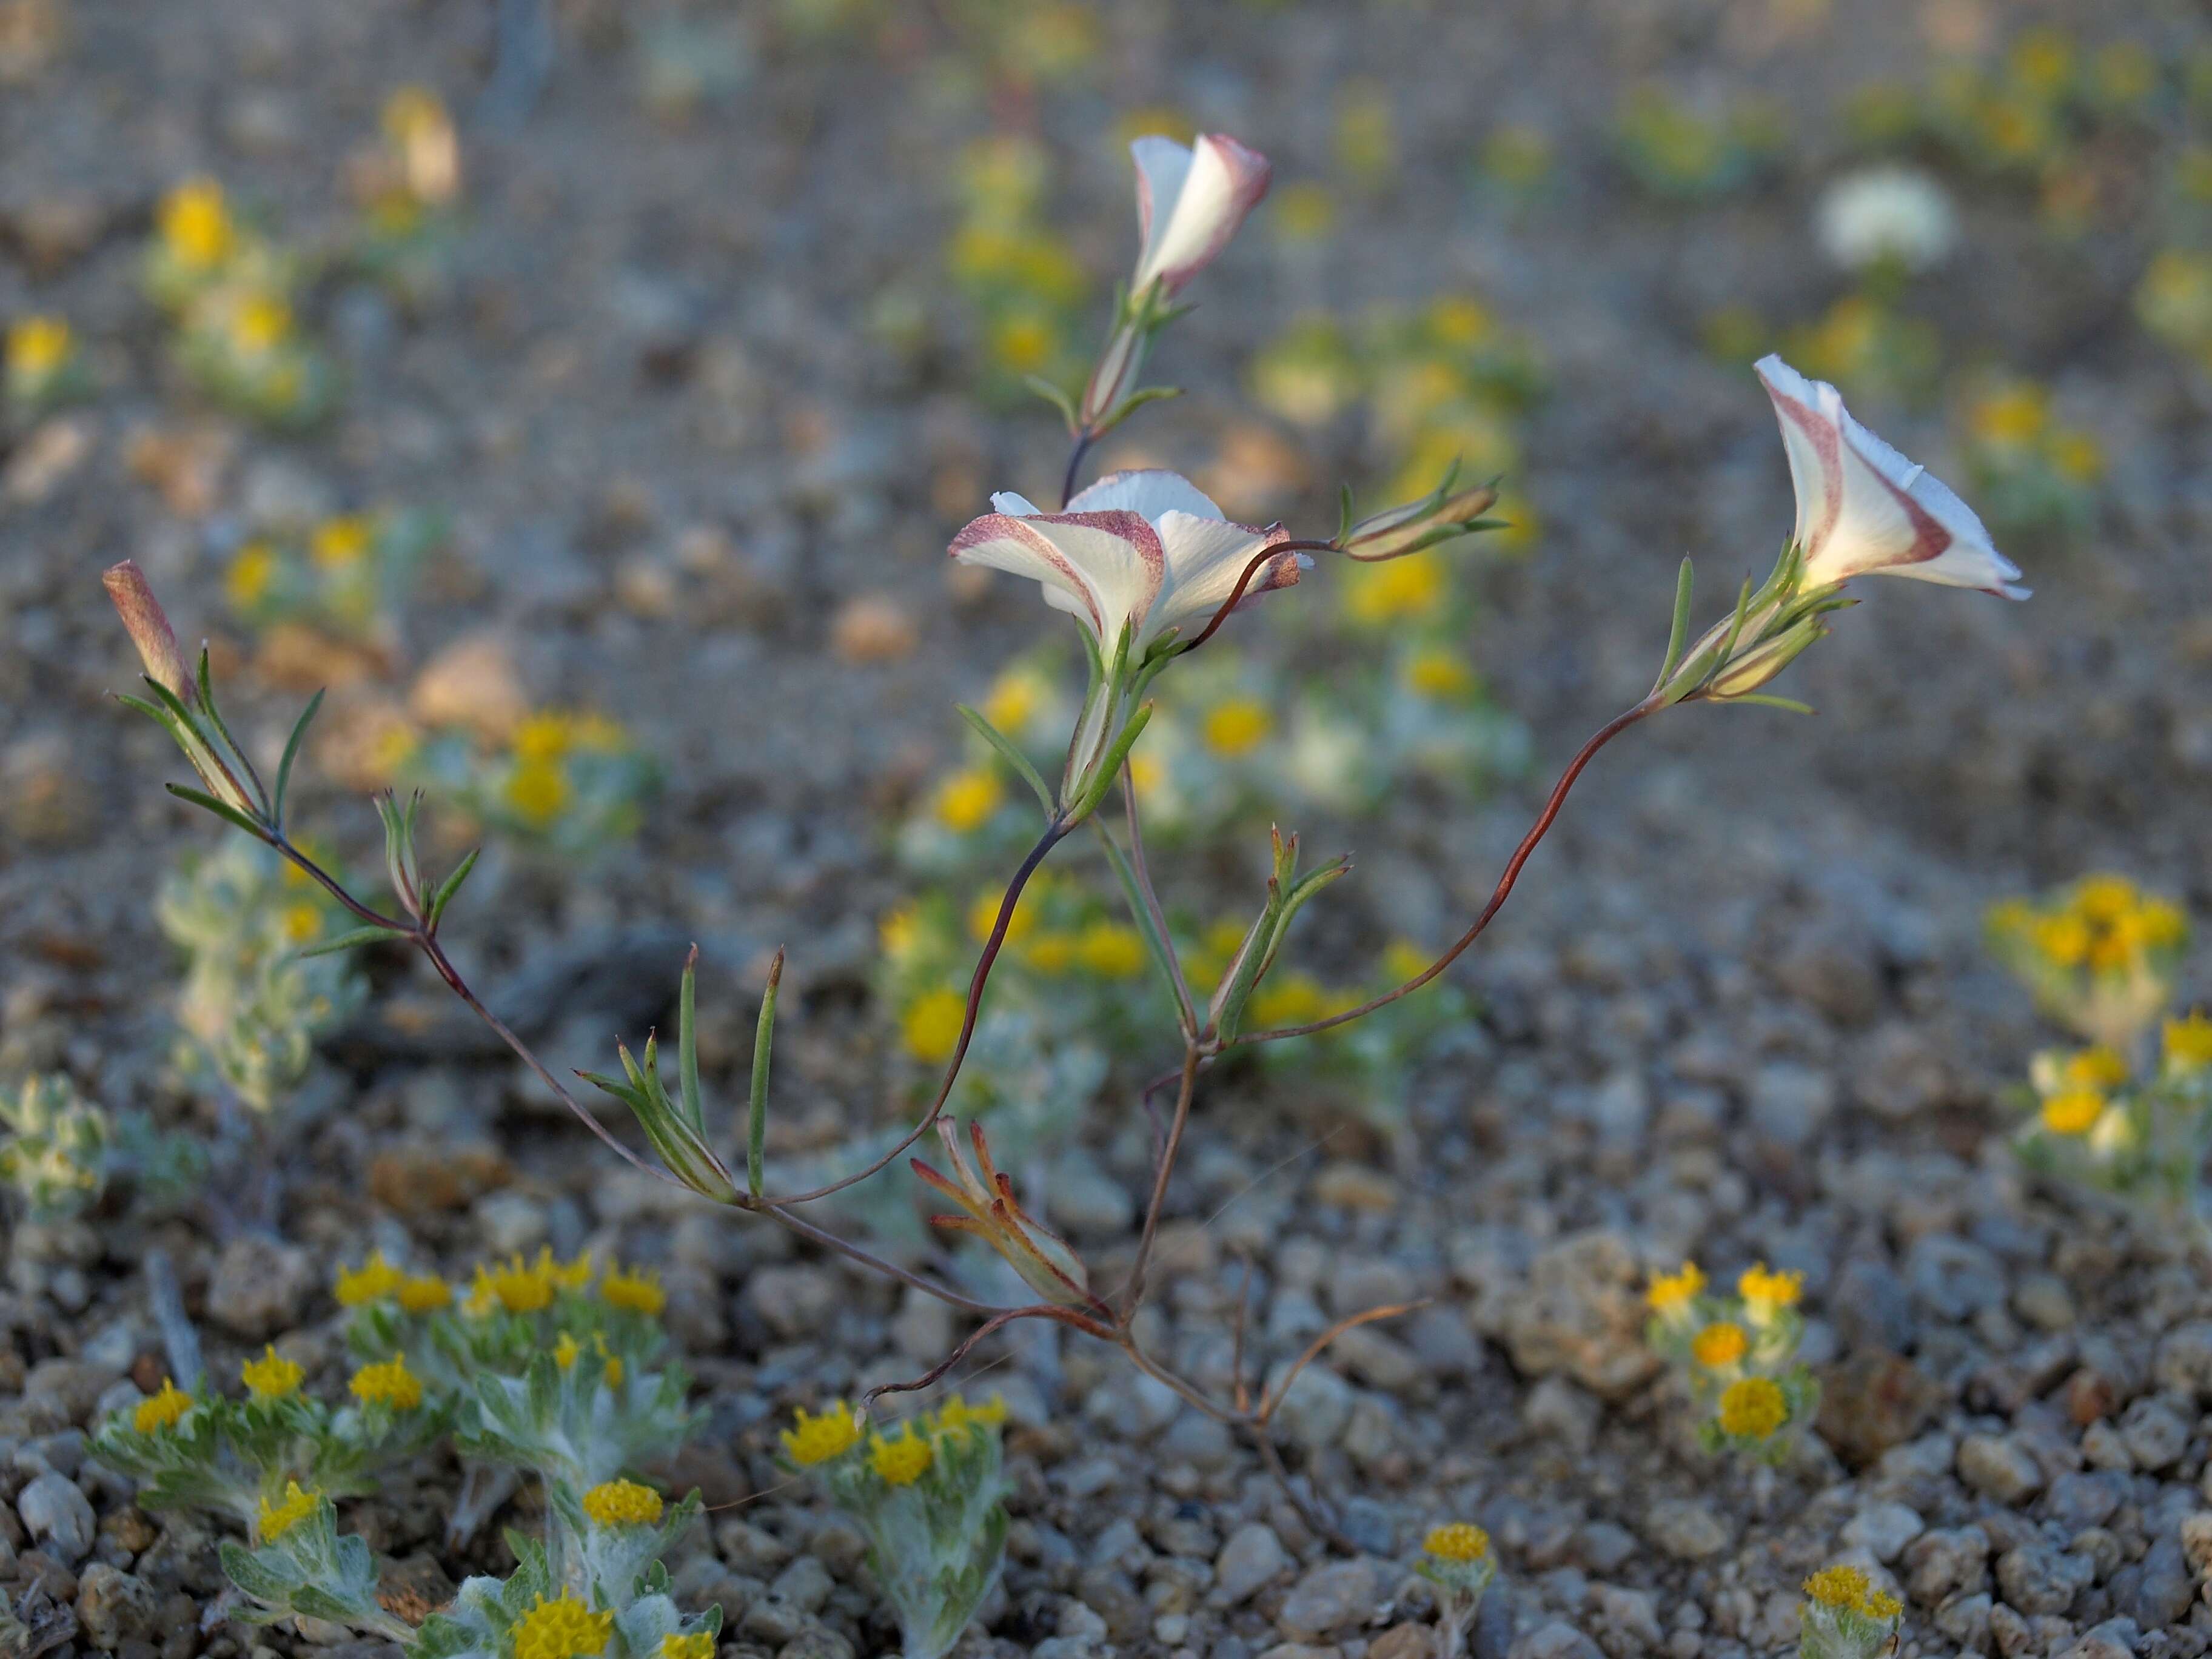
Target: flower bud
[(1747, 669), (147, 625), (1439, 516)]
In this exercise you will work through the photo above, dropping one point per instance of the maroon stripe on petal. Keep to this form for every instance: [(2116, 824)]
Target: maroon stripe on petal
[(1006, 526), (1828, 442)]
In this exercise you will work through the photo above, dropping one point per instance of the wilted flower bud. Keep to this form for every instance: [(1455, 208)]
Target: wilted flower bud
[(147, 625)]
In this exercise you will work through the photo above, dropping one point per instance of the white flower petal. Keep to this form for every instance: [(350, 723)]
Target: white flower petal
[(1153, 491), (1206, 557), (1863, 509), (1104, 569), (1190, 201)]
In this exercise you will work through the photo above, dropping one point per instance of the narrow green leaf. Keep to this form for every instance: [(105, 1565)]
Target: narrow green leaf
[(1111, 769), (228, 814), (1004, 745), (1163, 953), (347, 941), (1790, 703), (207, 701), (687, 1043), (292, 753), (1343, 514), (756, 1120), (451, 885), (1680, 631), (1052, 395)]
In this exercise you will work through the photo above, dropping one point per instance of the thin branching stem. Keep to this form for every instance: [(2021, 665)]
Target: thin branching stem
[(1054, 834), (1184, 1008), (1133, 1297), (1605, 734), (1083, 442)]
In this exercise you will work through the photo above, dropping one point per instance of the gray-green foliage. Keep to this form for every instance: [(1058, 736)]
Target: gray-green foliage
[(251, 1003)]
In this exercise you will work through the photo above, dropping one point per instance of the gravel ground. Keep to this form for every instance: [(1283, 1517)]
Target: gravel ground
[(1739, 1009)]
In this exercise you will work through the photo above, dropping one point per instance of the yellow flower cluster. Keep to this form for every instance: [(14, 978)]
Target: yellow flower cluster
[(196, 225), (812, 1440), (697, 1645), (637, 1291), (901, 1459), (374, 1281), (38, 346), (2104, 924), (1237, 726), (564, 1628), (567, 1349), (1457, 1540), (1848, 1589), (964, 802), (270, 1376), (1753, 1407), (389, 1383), (957, 1416), (1765, 1293), (526, 1288), (623, 1504), (278, 1519), (2189, 1042), (163, 1410), (1672, 1293), (930, 1027), (1720, 1345)]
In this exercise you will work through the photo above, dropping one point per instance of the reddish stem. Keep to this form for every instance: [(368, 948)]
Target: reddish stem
[(1605, 734)]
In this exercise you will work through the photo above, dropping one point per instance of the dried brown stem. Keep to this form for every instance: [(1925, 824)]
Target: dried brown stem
[(997, 1322), (1134, 1295)]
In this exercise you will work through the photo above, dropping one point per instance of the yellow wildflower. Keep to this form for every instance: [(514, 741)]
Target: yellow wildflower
[(1024, 343), (564, 1628), (965, 801), (537, 791), (2074, 1112), (1402, 960), (252, 573), (1014, 699), (196, 225), (2065, 939), (259, 323), (389, 1383), (899, 930), (812, 1440), (163, 1410), (623, 1504), (518, 1287), (1053, 952), (373, 1281), (570, 1275), (302, 921), (2103, 898), (639, 1290), (931, 1025), (1766, 1293), (1753, 1408), (2189, 1042), (1848, 1589), (565, 1351), (2097, 1068), (1456, 1541), (1719, 1345), (2160, 925), (421, 1293), (957, 1416), (1397, 591), (1237, 726), (1672, 1293), (278, 1519), (610, 1365), (38, 346), (341, 542), (901, 1462), (1112, 949), (270, 1376), (543, 737), (1287, 999), (1439, 674), (699, 1645)]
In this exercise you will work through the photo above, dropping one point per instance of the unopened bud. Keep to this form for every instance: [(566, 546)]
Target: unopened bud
[(147, 625), (1437, 517), (1749, 670)]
